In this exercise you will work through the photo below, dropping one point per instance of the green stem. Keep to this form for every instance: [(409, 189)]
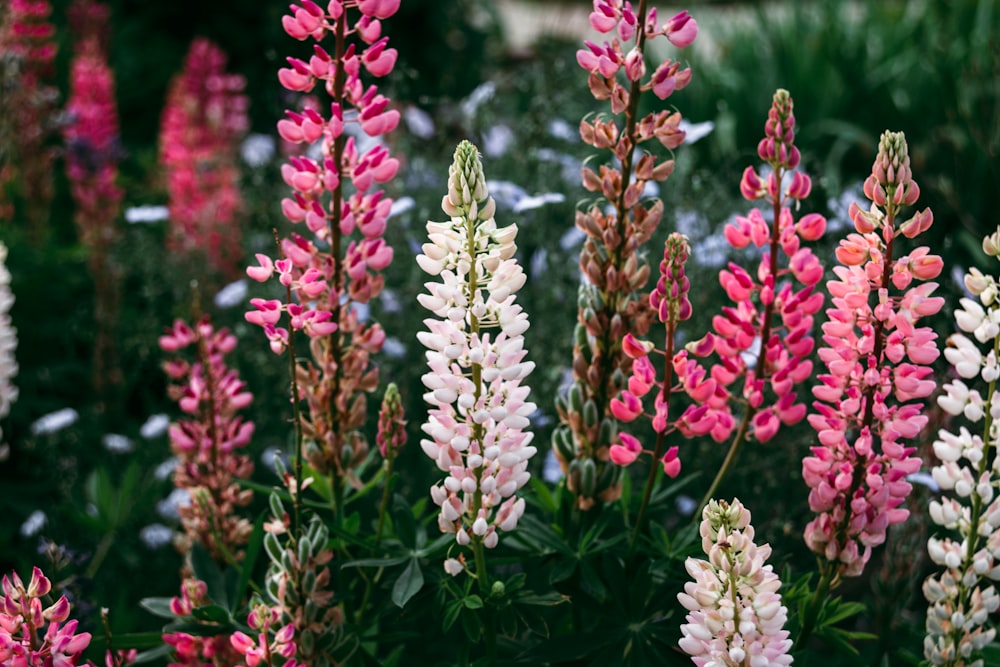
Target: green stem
[(483, 577), (828, 570), (734, 449)]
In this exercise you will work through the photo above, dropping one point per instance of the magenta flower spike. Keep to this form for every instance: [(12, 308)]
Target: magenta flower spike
[(339, 161), (962, 594), (763, 341), (32, 634), (27, 111), (93, 149), (475, 352), (203, 121), (878, 371), (612, 300)]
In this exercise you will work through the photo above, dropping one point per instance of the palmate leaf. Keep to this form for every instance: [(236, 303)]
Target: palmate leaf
[(408, 584)]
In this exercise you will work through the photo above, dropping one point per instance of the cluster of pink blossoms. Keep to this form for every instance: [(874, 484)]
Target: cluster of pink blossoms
[(27, 108), (209, 465), (208, 443), (266, 650), (878, 362), (333, 195), (194, 650), (479, 408), (670, 300), (92, 154), (31, 635), (203, 119), (611, 300), (765, 338), (960, 602), (735, 617), (91, 132)]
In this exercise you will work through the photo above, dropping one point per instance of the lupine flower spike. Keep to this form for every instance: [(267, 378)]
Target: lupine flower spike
[(878, 360), (735, 617), (764, 340), (204, 117), (335, 193), (961, 596), (27, 111), (670, 300), (93, 149), (611, 303), (207, 445), (475, 351), (208, 442), (32, 635)]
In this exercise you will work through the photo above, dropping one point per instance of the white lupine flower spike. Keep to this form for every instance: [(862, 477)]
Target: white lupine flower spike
[(960, 595), (476, 359), (735, 617)]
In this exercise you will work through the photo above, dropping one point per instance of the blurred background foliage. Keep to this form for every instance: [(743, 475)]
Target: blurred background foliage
[(930, 68)]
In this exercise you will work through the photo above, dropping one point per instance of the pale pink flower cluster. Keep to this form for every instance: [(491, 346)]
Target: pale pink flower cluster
[(960, 601), (670, 301), (31, 634), (207, 444), (203, 119), (878, 361), (764, 341), (479, 408), (334, 193), (735, 617)]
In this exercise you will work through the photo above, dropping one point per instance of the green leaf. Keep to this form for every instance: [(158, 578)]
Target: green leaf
[(451, 612), (153, 654), (408, 583), (212, 613), (158, 607), (207, 570), (543, 495), (377, 562), (473, 601), (254, 547)]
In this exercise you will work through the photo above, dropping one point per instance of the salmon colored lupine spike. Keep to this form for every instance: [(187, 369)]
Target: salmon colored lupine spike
[(871, 399)]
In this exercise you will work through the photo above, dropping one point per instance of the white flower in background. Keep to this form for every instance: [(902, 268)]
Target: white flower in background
[(54, 422), (475, 351), (8, 340)]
